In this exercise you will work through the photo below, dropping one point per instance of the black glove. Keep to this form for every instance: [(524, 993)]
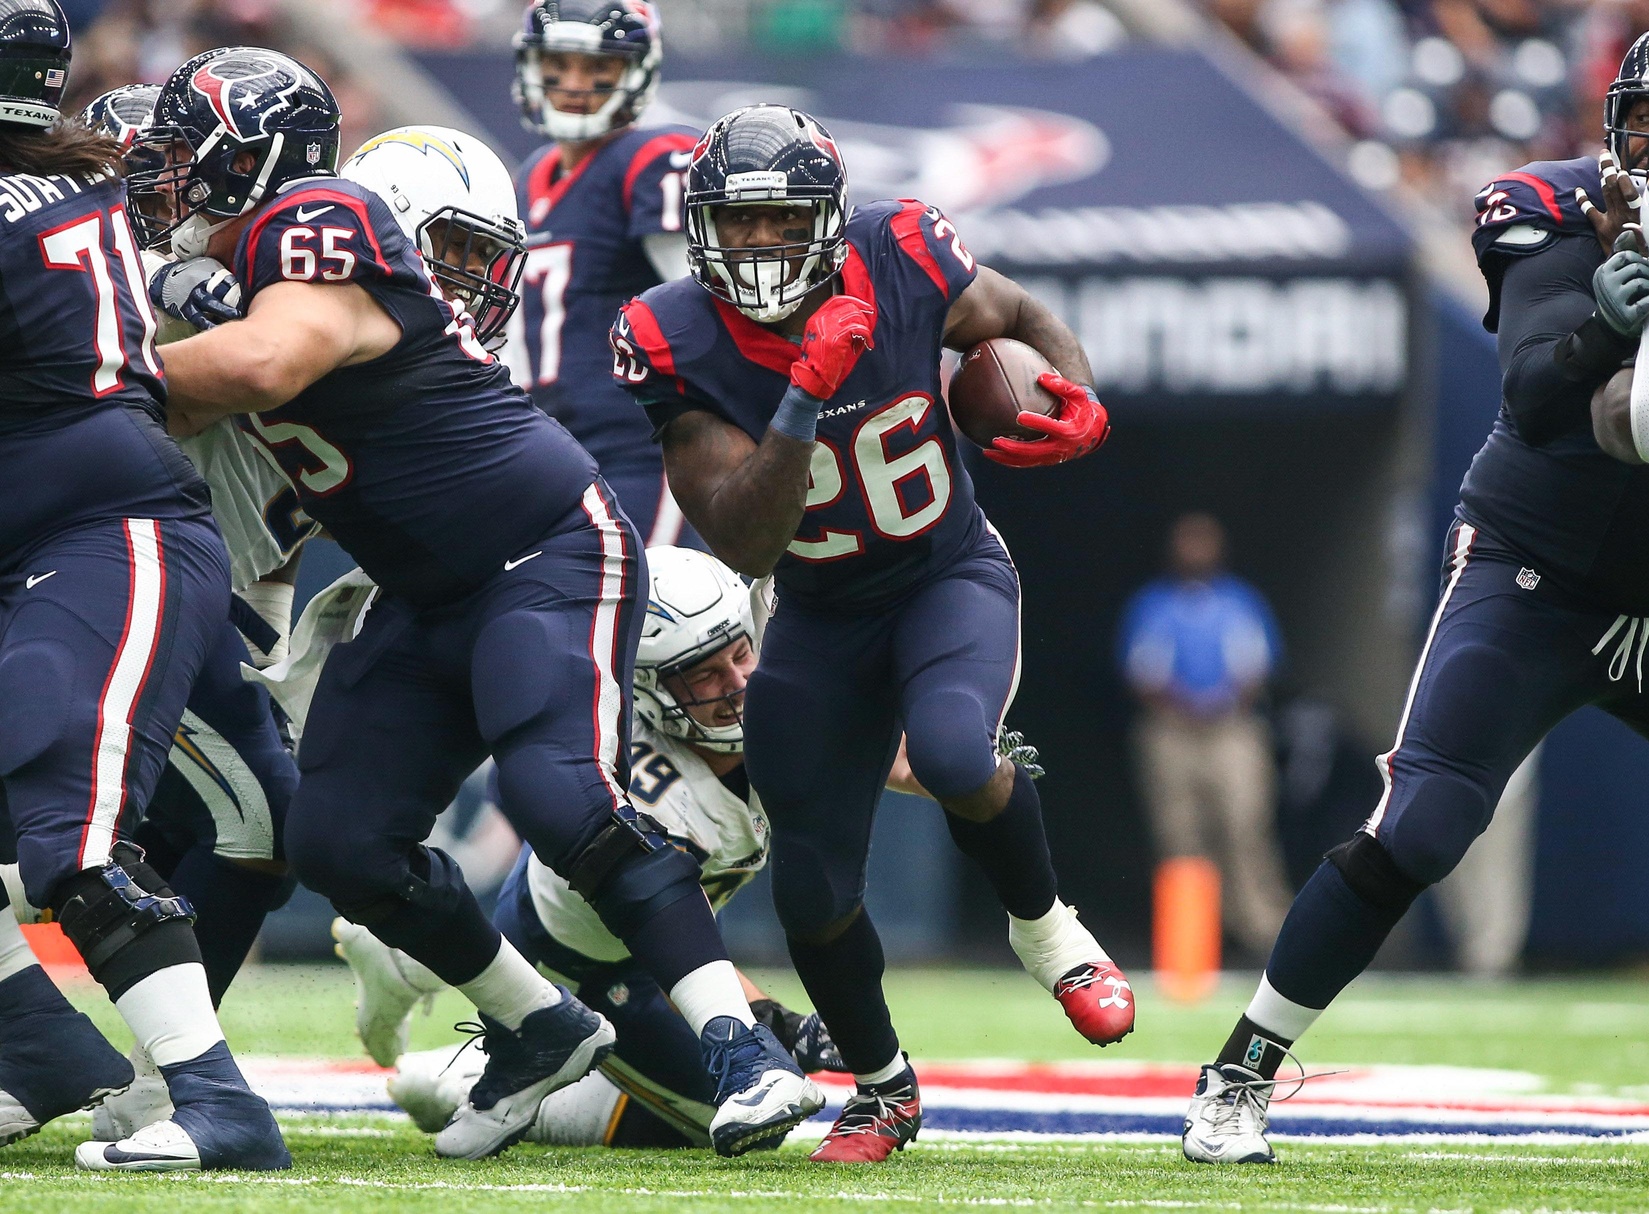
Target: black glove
[(199, 291), (805, 1037)]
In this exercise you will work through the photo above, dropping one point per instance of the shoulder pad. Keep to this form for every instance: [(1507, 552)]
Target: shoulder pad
[(1539, 195)]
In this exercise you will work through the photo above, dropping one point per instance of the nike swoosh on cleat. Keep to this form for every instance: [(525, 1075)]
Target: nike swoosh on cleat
[(508, 565), (756, 1098)]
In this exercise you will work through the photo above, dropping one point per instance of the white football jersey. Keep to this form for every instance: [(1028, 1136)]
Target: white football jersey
[(254, 504), (727, 835)]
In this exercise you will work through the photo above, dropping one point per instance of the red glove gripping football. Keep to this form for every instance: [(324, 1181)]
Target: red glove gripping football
[(1081, 427), (836, 335)]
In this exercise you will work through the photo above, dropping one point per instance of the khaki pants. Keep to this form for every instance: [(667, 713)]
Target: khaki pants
[(1209, 787)]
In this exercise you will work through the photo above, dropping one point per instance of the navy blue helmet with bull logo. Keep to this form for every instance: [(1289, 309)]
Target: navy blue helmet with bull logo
[(766, 155), (220, 104), (34, 61), (1630, 86), (627, 30)]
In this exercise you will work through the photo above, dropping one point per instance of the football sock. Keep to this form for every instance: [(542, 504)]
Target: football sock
[(711, 990), (11, 889), (170, 1013), (885, 1074), (844, 980), (1012, 849), (230, 902), (677, 941), (1054, 944), (15, 953), (509, 989)]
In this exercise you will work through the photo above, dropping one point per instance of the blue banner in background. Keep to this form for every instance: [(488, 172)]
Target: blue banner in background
[(1199, 247)]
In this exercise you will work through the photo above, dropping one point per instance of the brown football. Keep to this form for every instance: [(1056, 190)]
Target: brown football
[(995, 382)]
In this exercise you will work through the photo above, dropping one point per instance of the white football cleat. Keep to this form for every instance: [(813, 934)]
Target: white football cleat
[(147, 1101), (15, 1121), (1227, 1120), (388, 985), (162, 1147), (430, 1084)]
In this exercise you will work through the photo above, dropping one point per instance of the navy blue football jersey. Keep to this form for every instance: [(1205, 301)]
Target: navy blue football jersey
[(889, 503), (584, 259), (1574, 514), (81, 427), (427, 464)]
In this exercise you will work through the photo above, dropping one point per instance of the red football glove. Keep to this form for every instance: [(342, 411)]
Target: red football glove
[(835, 337), (1081, 427)]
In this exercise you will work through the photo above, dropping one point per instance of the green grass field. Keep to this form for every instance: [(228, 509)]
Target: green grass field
[(1583, 1038)]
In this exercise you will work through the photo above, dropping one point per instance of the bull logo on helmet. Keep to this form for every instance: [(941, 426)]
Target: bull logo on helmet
[(240, 91)]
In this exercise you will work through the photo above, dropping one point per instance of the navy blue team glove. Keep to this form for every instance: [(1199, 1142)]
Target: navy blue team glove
[(1621, 288), (805, 1037), (199, 291)]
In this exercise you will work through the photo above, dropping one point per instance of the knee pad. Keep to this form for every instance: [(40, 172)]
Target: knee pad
[(105, 911), (36, 683), (815, 894), (950, 744), (630, 871), (1441, 817), (438, 891), (518, 689), (1373, 875)]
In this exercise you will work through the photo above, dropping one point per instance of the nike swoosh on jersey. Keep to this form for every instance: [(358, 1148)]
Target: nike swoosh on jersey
[(305, 217), (508, 565), (35, 579)]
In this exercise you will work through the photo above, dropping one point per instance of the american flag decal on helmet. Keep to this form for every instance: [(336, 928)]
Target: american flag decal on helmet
[(54, 77)]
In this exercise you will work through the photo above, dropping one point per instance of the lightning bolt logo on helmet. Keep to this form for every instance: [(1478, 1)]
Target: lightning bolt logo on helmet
[(427, 144)]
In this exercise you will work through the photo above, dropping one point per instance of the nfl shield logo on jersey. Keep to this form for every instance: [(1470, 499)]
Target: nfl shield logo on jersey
[(1528, 579)]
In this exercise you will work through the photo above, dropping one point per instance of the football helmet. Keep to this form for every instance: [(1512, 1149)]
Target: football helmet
[(766, 154), (1631, 85), (696, 607), (34, 61), (453, 198), (627, 29), (123, 114), (220, 104)]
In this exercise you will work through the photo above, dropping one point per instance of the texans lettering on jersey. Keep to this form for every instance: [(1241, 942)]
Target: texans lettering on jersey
[(584, 259), (427, 464), (889, 502), (725, 829), (1523, 212), (81, 429)]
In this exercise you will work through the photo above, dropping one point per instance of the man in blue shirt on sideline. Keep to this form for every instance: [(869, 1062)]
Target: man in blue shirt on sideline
[(1198, 647)]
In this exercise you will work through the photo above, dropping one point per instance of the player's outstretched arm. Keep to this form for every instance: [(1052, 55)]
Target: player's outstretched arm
[(293, 334), (994, 305), (1612, 418), (745, 498)]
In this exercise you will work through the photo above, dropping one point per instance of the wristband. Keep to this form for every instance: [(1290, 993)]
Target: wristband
[(797, 416), (1593, 352)]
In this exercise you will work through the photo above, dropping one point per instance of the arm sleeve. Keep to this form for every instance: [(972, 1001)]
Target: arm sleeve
[(1553, 351), (930, 240), (654, 185), (316, 235)]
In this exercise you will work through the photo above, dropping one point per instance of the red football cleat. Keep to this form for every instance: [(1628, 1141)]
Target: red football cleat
[(1098, 1000), (874, 1124)]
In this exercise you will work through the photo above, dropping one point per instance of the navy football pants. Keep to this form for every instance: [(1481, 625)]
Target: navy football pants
[(102, 631), (533, 668), (229, 779), (1508, 656), (828, 701)]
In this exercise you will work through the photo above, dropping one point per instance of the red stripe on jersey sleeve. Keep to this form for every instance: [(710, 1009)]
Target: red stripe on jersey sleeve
[(907, 230), (649, 152), (1548, 196), (649, 336)]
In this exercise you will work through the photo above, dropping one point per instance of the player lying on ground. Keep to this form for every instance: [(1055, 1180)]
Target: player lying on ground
[(508, 616), (602, 201), (687, 775), (1544, 605), (795, 383), (114, 591)]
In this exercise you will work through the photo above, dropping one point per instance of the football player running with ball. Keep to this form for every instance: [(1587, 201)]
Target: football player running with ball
[(508, 616), (603, 211), (795, 383), (697, 653), (114, 587), (1544, 605)]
